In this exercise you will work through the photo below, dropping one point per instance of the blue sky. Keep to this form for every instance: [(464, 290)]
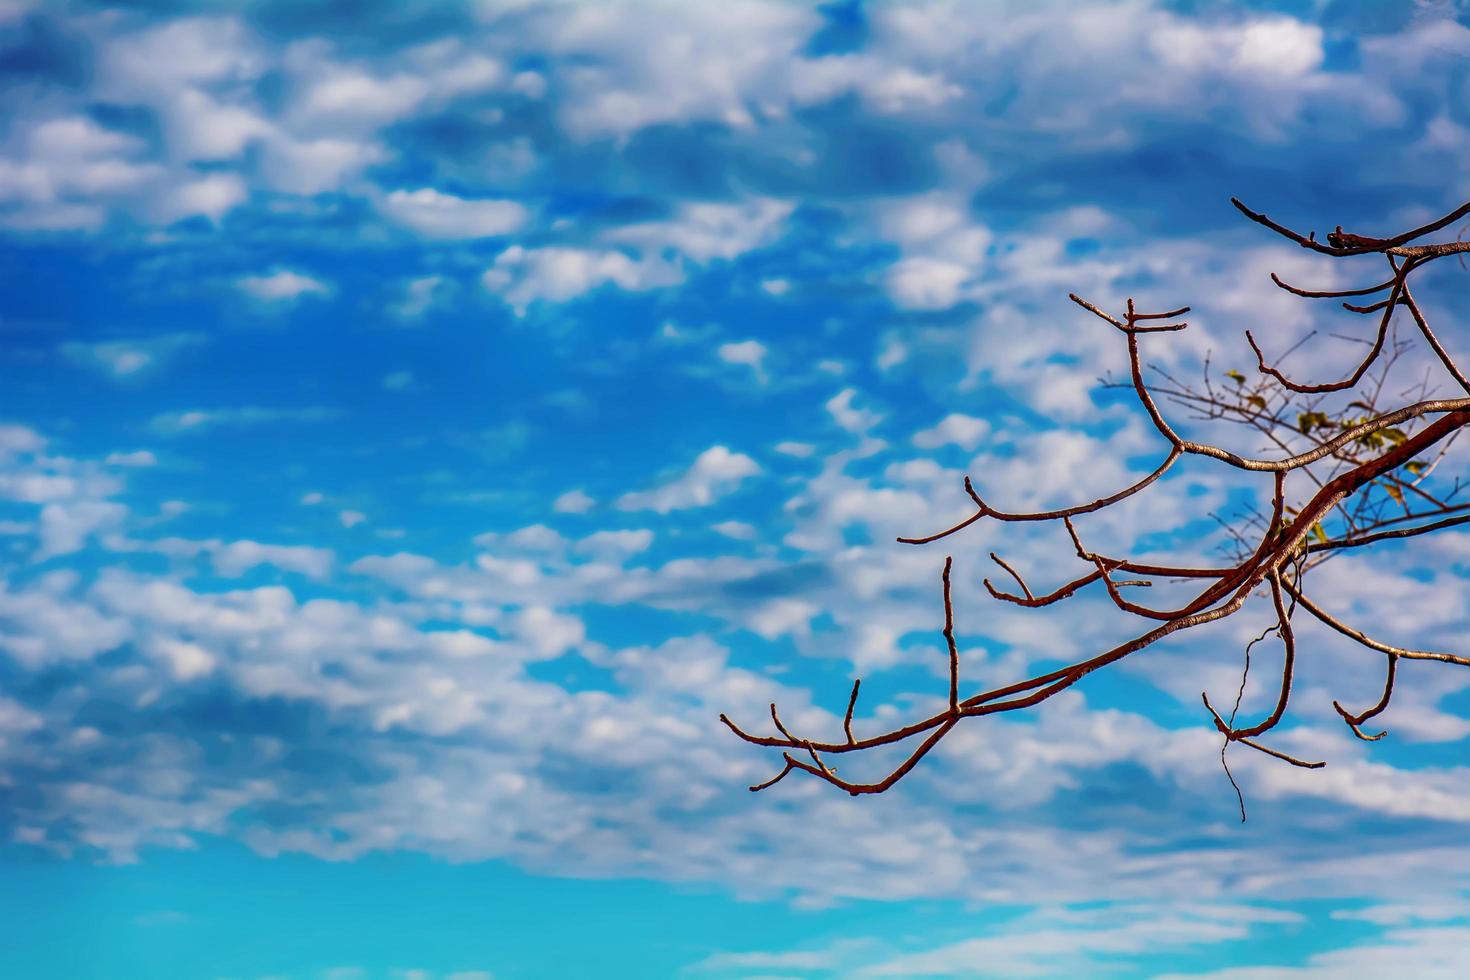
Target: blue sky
[(422, 420)]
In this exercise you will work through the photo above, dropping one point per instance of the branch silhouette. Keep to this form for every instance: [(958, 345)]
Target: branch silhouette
[(1369, 463)]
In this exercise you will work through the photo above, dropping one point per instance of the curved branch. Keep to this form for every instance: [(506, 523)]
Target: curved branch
[(1288, 642), (985, 510), (1032, 602), (1332, 293), (1079, 509), (1353, 633), (1433, 341), (1014, 574), (1355, 721), (1352, 380)]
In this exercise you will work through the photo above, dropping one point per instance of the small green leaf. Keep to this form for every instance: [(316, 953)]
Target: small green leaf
[(1416, 466), (1307, 421), (1257, 401), (1235, 376)]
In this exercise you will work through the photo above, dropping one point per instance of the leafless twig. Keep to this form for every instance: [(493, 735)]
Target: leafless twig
[(1368, 484)]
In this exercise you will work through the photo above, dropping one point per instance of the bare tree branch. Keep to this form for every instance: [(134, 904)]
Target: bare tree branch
[(1367, 462)]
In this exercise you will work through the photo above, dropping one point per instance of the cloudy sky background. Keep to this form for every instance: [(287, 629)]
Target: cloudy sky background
[(421, 421)]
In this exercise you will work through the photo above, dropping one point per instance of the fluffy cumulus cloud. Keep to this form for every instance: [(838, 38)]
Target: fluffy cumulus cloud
[(705, 231), (281, 286), (421, 429), (747, 353), (714, 473), (556, 274), (956, 429), (437, 215), (943, 250)]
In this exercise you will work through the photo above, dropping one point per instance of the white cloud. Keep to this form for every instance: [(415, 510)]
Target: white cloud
[(954, 429), (884, 84), (201, 127), (1063, 943), (615, 545), (78, 140), (281, 286), (1423, 951), (776, 618), (419, 295), (186, 661), (186, 51), (936, 223), (801, 450), (66, 525), (546, 632), (38, 486), (1254, 51), (893, 353), (202, 419), (738, 530), (129, 358), (573, 502), (349, 98), (634, 65), (351, 518), (706, 231), (16, 439), (854, 420), (943, 250), (315, 166), (69, 170), (42, 625), (212, 196), (715, 473), (924, 283), (235, 558), (557, 274), (63, 166), (900, 89), (437, 215), (751, 353)]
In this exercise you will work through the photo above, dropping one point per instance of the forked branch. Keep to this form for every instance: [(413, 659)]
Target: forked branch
[(1359, 460)]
